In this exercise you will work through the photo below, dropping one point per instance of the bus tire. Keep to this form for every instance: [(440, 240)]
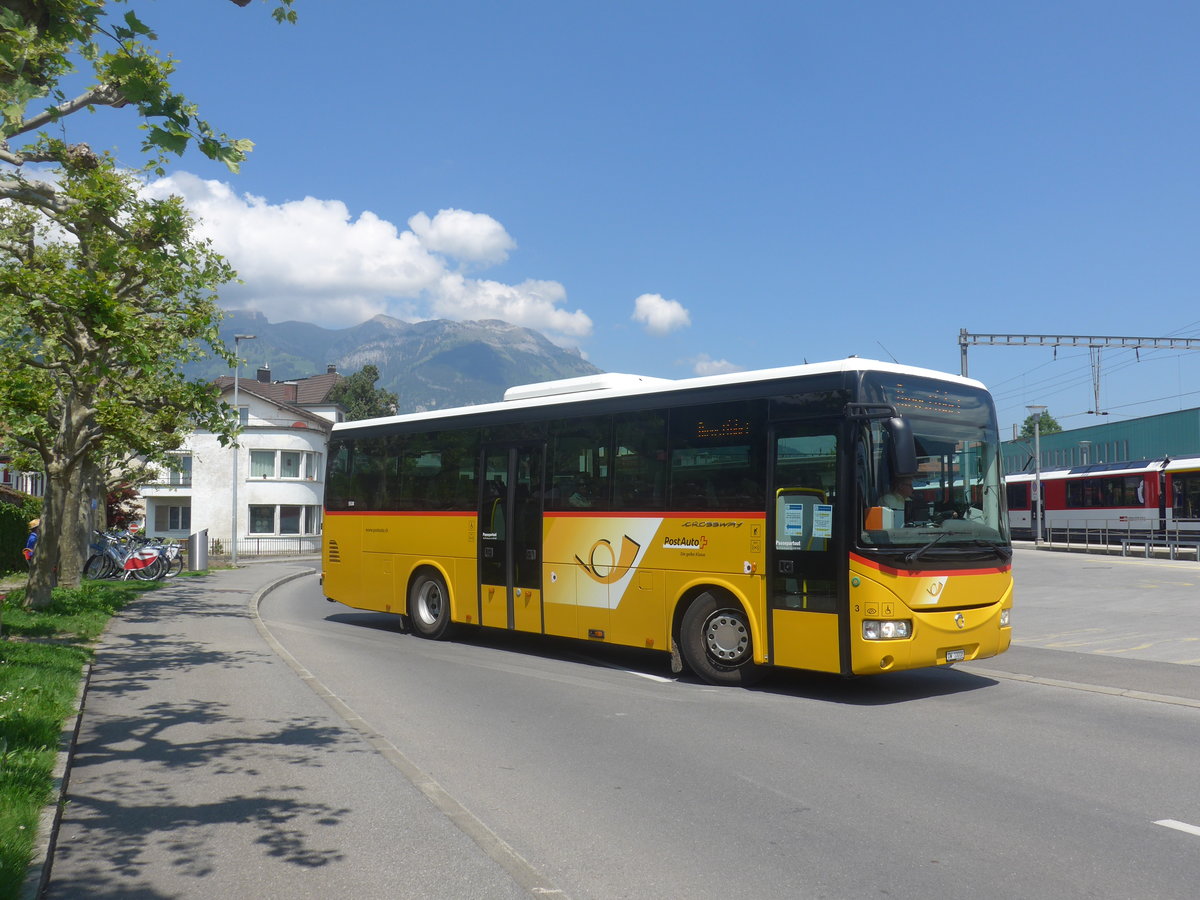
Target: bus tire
[(714, 639), (429, 606)]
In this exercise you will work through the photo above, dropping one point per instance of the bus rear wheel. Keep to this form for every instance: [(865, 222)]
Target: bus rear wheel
[(429, 606), (714, 640)]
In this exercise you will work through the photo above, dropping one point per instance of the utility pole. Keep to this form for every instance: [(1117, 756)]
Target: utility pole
[(1036, 411), (237, 374)]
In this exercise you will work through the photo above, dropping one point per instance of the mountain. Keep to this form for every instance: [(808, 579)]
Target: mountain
[(429, 365)]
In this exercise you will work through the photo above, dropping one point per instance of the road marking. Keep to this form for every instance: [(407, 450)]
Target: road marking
[(647, 675), (593, 661), (1179, 826)]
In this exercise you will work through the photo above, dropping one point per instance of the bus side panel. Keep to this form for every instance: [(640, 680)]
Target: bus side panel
[(806, 640), (494, 605), (394, 546), (560, 604), (641, 618), (527, 610), (627, 572), (341, 559)]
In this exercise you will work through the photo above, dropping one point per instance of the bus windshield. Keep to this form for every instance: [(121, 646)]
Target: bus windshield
[(955, 500)]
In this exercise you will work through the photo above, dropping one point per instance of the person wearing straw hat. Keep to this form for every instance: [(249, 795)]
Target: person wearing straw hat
[(31, 541)]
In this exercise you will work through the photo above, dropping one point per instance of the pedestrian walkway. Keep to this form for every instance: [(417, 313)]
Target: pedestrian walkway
[(205, 767)]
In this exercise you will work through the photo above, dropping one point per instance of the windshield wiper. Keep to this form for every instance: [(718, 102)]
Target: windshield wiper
[(916, 553), (992, 547)]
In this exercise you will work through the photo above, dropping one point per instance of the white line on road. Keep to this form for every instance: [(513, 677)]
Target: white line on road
[(1179, 826)]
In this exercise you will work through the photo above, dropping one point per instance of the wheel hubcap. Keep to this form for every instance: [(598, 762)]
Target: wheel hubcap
[(726, 637), (430, 605)]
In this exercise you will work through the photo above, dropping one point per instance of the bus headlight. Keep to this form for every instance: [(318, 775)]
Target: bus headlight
[(886, 629), (1004, 617)]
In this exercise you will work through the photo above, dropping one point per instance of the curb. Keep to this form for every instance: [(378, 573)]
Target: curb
[(37, 876)]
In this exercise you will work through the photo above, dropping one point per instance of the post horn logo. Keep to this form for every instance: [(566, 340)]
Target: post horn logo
[(607, 571)]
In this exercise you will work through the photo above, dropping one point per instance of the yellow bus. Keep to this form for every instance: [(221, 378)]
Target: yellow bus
[(843, 517)]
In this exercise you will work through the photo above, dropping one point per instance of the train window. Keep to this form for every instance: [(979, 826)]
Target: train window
[(1018, 496), (1118, 490), (1185, 495)]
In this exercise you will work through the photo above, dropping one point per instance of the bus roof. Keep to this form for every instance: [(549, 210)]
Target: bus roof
[(612, 385)]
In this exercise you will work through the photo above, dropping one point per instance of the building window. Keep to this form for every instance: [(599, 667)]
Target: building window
[(290, 518), (181, 476), (262, 463), (262, 520), (312, 466), (172, 518), (290, 464), (285, 520)]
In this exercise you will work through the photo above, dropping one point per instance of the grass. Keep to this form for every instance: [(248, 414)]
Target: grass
[(42, 658)]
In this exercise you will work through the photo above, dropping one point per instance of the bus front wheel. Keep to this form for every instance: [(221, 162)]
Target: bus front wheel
[(714, 640), (429, 607)]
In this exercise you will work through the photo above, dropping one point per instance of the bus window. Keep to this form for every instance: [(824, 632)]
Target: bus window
[(579, 464), (716, 456), (640, 463)]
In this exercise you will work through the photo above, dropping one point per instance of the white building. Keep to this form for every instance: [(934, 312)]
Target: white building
[(280, 469), (33, 483)]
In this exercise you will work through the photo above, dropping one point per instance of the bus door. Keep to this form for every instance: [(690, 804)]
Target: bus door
[(802, 561), (510, 538)]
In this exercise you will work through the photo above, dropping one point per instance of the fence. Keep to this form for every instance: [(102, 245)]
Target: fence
[(290, 545), (1101, 536)]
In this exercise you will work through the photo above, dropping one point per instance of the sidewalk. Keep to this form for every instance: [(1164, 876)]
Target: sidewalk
[(204, 767)]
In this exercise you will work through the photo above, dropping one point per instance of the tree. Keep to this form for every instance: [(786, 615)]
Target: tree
[(1047, 424), (360, 398), (102, 292), (102, 303), (40, 41)]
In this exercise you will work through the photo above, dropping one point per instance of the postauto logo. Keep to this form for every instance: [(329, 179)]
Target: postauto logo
[(685, 543)]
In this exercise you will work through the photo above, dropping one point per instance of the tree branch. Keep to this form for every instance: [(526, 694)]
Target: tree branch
[(100, 95), (34, 193)]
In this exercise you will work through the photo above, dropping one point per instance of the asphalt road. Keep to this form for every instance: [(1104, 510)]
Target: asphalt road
[(1065, 768)]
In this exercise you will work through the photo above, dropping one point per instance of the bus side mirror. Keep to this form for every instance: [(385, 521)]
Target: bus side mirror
[(903, 446)]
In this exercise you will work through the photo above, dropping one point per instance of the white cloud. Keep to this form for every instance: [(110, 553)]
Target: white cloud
[(314, 261), (659, 315), (530, 303), (706, 365), (467, 236)]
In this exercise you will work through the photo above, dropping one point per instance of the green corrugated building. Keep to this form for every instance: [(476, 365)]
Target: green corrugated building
[(1174, 434)]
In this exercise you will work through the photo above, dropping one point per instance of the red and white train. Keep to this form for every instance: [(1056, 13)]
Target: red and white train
[(1149, 494)]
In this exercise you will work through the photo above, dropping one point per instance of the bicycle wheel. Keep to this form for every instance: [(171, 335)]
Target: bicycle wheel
[(152, 572), (98, 566), (174, 566)]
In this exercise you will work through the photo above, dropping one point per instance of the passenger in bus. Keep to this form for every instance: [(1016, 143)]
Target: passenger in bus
[(582, 495)]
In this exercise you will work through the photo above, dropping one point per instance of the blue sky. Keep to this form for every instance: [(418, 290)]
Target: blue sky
[(684, 187)]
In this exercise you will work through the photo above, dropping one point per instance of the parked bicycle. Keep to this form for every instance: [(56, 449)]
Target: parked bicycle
[(122, 555)]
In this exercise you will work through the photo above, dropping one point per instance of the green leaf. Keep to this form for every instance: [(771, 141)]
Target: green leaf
[(174, 141), (137, 26)]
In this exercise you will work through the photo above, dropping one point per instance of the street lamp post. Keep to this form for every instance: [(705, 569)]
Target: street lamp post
[(1036, 412), (237, 372)]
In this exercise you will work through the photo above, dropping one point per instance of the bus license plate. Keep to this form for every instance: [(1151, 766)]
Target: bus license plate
[(955, 655)]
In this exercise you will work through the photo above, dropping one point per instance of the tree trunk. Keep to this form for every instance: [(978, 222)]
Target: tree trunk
[(43, 575), (71, 473)]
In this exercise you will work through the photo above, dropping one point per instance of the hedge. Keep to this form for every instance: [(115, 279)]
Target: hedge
[(14, 529)]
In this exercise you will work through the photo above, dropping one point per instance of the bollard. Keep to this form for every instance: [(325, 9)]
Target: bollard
[(198, 551)]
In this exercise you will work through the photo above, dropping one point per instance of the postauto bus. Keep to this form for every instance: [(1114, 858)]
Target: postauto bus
[(736, 522)]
